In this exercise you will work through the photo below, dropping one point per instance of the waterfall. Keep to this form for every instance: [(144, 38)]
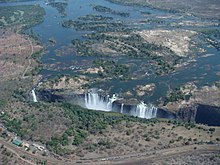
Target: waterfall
[(122, 106), (97, 102), (146, 111), (110, 102), (34, 95)]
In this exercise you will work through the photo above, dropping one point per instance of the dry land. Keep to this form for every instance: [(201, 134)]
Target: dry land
[(198, 8), (15, 58), (18, 50), (71, 134), (189, 95)]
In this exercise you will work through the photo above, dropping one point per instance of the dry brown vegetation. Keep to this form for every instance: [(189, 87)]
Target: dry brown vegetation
[(41, 122), (9, 158), (207, 95), (16, 50), (200, 8), (67, 83), (126, 138), (16, 64)]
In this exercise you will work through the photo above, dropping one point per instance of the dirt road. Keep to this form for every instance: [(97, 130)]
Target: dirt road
[(139, 158)]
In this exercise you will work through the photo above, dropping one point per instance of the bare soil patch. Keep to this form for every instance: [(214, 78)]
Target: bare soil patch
[(16, 50)]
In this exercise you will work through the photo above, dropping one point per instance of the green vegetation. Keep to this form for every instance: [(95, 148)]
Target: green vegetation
[(128, 44), (79, 126), (95, 26), (176, 95), (112, 69), (37, 55), (14, 1), (37, 70), (25, 15), (13, 125), (85, 122), (60, 6), (104, 9), (91, 17), (19, 94), (3, 103), (84, 48)]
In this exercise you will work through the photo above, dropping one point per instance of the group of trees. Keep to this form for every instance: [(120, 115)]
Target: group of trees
[(104, 9), (91, 17), (112, 69), (13, 125), (99, 26), (84, 123), (27, 15), (176, 95)]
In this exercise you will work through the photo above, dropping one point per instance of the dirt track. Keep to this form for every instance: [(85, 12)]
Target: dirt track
[(139, 158)]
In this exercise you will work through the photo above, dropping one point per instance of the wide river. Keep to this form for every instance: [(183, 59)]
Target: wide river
[(202, 70)]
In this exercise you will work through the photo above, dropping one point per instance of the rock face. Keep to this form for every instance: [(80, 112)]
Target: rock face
[(48, 96), (187, 114), (161, 113), (199, 113), (203, 106), (207, 114), (145, 89)]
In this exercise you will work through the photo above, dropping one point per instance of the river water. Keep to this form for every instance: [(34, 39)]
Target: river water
[(202, 70)]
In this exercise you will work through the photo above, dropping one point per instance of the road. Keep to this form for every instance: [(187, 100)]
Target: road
[(29, 58), (124, 159)]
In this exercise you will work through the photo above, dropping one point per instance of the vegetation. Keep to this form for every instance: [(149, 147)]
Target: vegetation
[(24, 15), (176, 95), (131, 45), (84, 48), (84, 131), (91, 17), (95, 26), (60, 6), (85, 122), (13, 125), (112, 69), (104, 9), (2, 103), (36, 70), (13, 1), (203, 8)]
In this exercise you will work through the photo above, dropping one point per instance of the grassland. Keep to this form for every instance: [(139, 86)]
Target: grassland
[(74, 132), (24, 15), (16, 61)]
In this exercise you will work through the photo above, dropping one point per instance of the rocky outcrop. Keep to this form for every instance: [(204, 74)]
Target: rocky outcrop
[(48, 95), (207, 114), (187, 114)]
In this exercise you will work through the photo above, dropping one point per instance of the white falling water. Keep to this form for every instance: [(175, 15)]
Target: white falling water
[(110, 102), (146, 111), (34, 95), (122, 106), (96, 102)]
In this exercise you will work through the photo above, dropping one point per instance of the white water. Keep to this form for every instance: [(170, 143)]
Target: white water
[(146, 111), (122, 106), (34, 95), (96, 102)]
